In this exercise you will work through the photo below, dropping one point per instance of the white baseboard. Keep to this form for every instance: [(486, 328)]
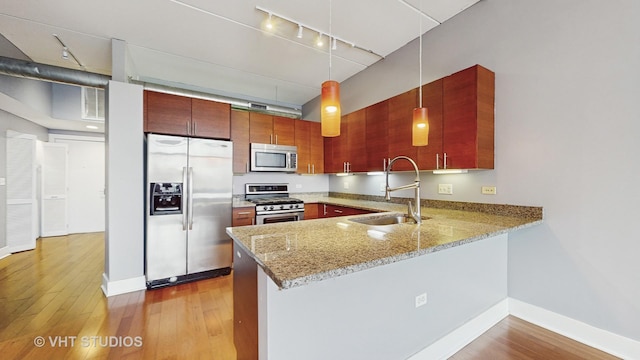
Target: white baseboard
[(4, 252), (606, 341), (462, 336), (112, 288)]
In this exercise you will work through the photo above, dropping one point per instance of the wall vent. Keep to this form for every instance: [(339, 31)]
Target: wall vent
[(92, 104), (258, 106)]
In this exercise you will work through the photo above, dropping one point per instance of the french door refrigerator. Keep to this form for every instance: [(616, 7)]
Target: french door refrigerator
[(189, 191)]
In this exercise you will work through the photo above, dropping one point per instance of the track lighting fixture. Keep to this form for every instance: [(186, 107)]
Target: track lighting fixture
[(420, 127), (273, 19), (299, 36), (66, 52), (330, 99)]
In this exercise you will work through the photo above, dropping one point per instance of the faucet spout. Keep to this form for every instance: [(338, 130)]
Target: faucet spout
[(413, 211)]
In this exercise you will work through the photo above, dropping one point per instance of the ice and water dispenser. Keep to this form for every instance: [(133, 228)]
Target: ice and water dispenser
[(166, 198)]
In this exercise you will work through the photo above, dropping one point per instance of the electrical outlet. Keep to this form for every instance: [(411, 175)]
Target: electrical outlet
[(421, 300), (489, 190), (446, 189)]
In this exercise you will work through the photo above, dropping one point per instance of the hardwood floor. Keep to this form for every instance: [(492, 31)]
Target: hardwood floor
[(53, 292)]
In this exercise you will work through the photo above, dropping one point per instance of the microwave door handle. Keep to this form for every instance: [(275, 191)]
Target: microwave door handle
[(190, 198), (184, 199)]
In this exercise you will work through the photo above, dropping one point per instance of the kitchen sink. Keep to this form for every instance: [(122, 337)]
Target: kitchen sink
[(388, 219)]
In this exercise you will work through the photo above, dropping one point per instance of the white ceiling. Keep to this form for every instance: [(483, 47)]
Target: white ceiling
[(219, 46)]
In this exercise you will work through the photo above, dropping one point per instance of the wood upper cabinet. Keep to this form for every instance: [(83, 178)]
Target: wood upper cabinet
[(468, 122), (269, 129), (310, 145), (430, 156), (178, 115), (400, 123), (240, 138), (210, 119), (167, 114), (347, 152), (377, 137)]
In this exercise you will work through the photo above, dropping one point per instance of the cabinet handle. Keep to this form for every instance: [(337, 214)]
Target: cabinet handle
[(337, 211), (244, 212), (313, 168), (308, 168), (188, 128), (437, 161), (445, 161), (348, 166), (384, 164), (253, 221), (276, 139), (270, 138), (324, 211), (195, 128)]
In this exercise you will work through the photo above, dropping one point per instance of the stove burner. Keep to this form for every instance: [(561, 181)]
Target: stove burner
[(275, 201)]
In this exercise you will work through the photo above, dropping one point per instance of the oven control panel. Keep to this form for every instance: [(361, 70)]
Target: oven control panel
[(278, 207)]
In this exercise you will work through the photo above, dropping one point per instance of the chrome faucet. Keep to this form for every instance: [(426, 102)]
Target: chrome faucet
[(414, 213)]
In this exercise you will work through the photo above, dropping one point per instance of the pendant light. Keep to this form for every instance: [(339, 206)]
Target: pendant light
[(330, 99), (420, 127)]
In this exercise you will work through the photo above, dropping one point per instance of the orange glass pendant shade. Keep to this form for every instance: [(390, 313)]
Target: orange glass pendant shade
[(330, 108), (420, 129)]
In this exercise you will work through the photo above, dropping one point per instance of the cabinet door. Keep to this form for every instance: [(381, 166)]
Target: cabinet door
[(432, 153), (260, 128), (240, 138), (377, 135), (400, 123), (336, 150), (283, 131), (357, 141), (210, 119), (311, 211), (316, 148), (244, 216), (468, 104), (168, 114), (302, 142)]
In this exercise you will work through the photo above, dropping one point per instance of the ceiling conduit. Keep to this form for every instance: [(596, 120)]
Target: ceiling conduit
[(32, 70), (36, 71)]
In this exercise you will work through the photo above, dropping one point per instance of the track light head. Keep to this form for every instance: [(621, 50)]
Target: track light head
[(65, 53), (269, 23), (299, 36), (319, 41)]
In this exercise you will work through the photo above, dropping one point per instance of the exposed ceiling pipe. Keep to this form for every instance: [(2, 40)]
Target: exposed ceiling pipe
[(36, 71)]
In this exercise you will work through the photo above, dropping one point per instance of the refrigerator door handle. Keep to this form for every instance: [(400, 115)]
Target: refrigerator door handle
[(184, 199), (190, 200)]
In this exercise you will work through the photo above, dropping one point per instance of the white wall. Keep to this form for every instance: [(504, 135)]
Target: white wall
[(566, 130)]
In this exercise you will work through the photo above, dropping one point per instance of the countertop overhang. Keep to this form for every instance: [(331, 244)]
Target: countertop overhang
[(297, 253)]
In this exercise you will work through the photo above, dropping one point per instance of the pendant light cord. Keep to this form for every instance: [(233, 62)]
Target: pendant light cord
[(420, 56), (329, 44)]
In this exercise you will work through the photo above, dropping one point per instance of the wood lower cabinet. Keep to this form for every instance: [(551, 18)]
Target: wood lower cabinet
[(308, 139), (245, 305), (240, 138), (327, 211), (311, 211), (178, 115), (244, 216)]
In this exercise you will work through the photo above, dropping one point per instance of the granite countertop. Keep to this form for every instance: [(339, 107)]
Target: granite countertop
[(297, 253)]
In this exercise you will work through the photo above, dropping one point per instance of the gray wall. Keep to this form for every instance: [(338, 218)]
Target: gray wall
[(566, 138)]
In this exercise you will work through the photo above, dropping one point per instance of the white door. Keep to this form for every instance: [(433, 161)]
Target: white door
[(86, 181), (54, 190), (21, 191)]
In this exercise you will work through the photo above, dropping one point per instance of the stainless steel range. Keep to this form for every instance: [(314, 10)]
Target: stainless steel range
[(273, 203)]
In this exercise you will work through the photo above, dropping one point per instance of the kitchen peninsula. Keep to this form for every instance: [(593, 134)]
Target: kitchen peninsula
[(338, 288)]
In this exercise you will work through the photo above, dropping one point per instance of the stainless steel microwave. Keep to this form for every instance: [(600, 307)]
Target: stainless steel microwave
[(269, 157)]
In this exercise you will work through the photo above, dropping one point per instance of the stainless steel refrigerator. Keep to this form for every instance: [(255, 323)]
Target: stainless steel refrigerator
[(189, 191)]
